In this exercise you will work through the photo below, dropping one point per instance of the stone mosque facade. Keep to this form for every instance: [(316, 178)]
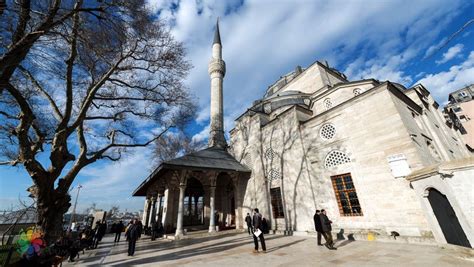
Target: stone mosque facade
[(378, 157)]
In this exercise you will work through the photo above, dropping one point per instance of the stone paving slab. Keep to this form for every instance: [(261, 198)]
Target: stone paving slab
[(236, 250)]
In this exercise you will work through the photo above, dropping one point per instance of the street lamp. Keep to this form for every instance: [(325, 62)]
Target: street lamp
[(74, 208)]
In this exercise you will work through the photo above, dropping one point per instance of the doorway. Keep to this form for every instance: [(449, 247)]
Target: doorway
[(447, 219), (193, 203)]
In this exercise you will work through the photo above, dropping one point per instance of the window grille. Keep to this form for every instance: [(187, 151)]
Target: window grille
[(269, 153), (346, 195), (335, 158), (277, 203), (274, 175), (327, 103), (327, 132)]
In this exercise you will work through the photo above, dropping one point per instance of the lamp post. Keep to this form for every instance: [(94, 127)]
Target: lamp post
[(74, 208)]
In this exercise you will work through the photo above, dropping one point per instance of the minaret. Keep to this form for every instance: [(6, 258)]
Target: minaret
[(217, 72)]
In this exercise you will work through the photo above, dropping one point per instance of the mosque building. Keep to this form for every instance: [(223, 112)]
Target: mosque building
[(378, 157)]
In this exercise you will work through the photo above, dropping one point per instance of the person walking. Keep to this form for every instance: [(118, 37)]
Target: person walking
[(248, 220), (318, 226), (257, 231), (132, 235), (154, 230), (326, 226), (140, 228), (118, 231), (101, 229)]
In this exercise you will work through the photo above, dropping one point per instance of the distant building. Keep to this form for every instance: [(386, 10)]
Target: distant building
[(459, 113), (12, 222)]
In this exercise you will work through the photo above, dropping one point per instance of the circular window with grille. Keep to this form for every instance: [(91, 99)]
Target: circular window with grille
[(327, 132), (357, 91), (335, 158), (327, 103)]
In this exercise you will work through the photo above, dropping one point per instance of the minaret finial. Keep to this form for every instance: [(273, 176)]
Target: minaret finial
[(217, 35)]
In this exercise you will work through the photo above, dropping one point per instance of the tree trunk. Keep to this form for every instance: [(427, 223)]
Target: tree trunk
[(51, 207)]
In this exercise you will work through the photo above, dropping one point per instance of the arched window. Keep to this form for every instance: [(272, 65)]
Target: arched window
[(335, 158), (327, 103), (357, 91), (327, 132)]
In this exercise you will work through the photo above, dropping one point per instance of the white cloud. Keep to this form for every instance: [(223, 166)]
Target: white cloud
[(202, 135), (443, 83), (264, 39), (450, 54)]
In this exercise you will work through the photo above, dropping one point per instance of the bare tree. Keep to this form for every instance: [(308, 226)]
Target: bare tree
[(82, 81), (91, 208), (174, 145)]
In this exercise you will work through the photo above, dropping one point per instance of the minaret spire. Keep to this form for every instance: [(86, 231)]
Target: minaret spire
[(217, 72), (217, 35)]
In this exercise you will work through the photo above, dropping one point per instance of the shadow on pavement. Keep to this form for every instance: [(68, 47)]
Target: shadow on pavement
[(195, 251)]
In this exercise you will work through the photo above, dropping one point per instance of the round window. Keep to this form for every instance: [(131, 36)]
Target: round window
[(327, 132)]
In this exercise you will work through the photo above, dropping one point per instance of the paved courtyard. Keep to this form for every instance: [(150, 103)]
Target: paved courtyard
[(235, 249)]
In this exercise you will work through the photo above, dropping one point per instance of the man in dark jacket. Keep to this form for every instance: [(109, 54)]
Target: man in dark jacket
[(101, 228), (248, 220), (257, 225), (318, 226), (132, 235), (118, 231), (326, 226)]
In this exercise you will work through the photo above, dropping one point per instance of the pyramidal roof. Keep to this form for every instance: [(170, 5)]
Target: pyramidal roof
[(209, 158)]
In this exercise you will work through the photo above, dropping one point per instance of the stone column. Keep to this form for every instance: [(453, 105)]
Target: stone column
[(237, 202), (196, 199), (179, 225), (190, 203), (153, 210), (160, 207), (146, 211), (212, 220)]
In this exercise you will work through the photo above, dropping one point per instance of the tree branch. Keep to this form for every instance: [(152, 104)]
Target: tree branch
[(40, 88), (70, 67), (25, 8), (100, 153)]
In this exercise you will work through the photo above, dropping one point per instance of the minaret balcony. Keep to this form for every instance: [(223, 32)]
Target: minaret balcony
[(216, 65)]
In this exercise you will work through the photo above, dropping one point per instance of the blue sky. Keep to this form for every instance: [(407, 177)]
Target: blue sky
[(262, 40)]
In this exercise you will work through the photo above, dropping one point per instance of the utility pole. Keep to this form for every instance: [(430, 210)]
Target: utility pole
[(74, 208)]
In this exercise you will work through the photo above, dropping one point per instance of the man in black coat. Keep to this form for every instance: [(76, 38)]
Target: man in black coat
[(257, 225), (101, 228), (318, 226), (326, 226), (118, 231), (248, 220), (132, 234)]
